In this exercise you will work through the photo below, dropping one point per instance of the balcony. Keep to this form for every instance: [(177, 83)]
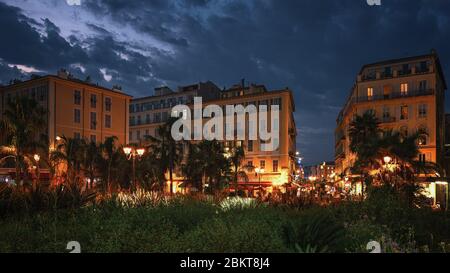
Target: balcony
[(388, 120), (395, 95)]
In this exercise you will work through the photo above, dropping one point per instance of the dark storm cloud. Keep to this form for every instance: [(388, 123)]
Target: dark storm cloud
[(314, 47), (25, 45)]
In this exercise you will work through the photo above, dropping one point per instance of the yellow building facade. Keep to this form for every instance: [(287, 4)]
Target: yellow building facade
[(75, 109), (279, 165), (406, 95)]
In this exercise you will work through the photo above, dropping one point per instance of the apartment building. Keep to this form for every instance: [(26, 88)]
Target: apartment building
[(324, 172), (75, 108), (407, 96), (147, 113), (278, 167)]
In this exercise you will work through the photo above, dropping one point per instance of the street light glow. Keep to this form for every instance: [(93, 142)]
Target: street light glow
[(36, 157), (387, 159), (140, 152), (127, 150)]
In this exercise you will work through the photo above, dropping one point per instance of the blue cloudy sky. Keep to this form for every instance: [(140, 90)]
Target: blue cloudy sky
[(315, 47)]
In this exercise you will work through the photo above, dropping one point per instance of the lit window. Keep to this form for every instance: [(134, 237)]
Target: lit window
[(369, 93), (404, 89)]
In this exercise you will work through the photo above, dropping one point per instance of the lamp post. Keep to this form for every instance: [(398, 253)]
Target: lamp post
[(36, 158), (132, 153), (259, 171)]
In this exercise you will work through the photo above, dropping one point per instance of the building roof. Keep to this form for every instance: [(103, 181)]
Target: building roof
[(73, 80), (432, 55)]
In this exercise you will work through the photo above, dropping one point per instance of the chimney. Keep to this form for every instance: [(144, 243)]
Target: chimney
[(62, 73)]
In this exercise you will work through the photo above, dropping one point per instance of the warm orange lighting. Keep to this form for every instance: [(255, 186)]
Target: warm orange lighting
[(140, 152), (58, 138), (36, 157), (387, 159), (127, 150)]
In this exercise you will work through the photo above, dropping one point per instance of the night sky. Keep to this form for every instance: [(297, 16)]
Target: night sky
[(315, 47)]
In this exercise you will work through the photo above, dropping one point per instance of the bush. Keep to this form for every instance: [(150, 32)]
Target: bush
[(315, 231)]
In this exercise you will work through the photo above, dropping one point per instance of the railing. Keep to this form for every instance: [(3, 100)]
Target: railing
[(395, 95)]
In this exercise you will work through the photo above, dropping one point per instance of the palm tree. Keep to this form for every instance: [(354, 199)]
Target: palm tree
[(168, 151), (22, 126), (371, 145), (200, 169), (68, 158), (238, 170), (90, 164), (112, 162)]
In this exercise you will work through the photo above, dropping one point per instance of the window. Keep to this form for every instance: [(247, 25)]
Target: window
[(250, 163), (147, 118), (108, 104), (77, 116), (422, 110), (262, 164), (138, 120), (386, 114), (93, 138), (422, 140), (388, 71), (132, 121), (93, 121), (422, 158), (404, 89), (387, 90), (404, 131), (370, 93), (423, 85), (423, 66), (107, 121), (250, 146), (404, 112), (277, 101), (406, 69), (275, 166), (371, 112), (93, 101), (138, 135), (130, 137), (147, 132), (77, 97), (76, 135)]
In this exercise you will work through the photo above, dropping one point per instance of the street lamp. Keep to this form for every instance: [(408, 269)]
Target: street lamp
[(387, 159), (259, 171), (132, 153), (36, 158)]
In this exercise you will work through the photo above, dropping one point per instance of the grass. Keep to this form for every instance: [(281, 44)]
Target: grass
[(186, 224)]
